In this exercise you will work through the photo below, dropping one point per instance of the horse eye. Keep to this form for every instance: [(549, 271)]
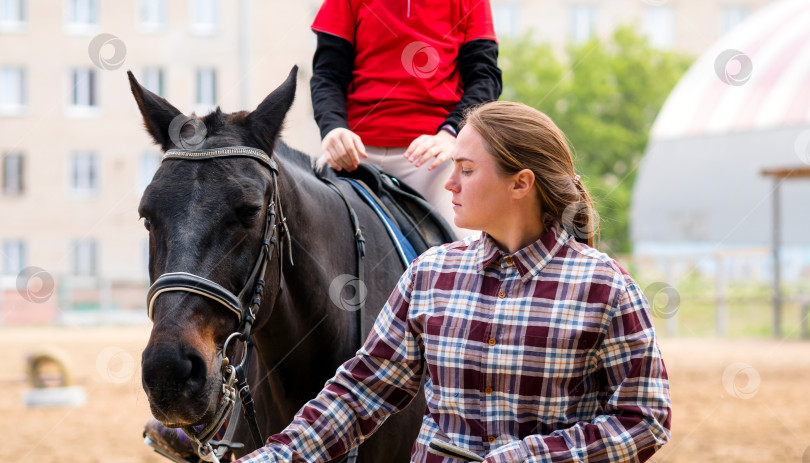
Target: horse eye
[(249, 212), (147, 224)]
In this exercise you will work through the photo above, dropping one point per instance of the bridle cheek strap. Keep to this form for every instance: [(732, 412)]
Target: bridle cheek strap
[(188, 282)]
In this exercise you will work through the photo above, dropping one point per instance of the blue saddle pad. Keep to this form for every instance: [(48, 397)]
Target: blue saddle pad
[(404, 247)]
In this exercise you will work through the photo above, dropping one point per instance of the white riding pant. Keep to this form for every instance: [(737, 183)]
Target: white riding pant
[(429, 184)]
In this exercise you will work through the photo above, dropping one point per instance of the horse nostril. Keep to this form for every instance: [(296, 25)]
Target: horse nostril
[(168, 371), (196, 376)]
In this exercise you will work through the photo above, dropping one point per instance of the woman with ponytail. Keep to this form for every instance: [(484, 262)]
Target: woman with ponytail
[(533, 346)]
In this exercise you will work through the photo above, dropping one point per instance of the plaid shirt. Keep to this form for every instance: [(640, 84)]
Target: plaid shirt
[(545, 355)]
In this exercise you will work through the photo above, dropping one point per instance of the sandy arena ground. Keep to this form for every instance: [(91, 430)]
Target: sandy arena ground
[(734, 401)]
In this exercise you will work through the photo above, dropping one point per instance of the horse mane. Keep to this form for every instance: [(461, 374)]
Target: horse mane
[(298, 158)]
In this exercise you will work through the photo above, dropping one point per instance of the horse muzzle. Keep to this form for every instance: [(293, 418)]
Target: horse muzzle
[(180, 384)]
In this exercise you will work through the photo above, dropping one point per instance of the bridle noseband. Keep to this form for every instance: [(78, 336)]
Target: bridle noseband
[(275, 230)]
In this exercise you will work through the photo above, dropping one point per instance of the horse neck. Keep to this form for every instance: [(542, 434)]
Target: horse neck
[(306, 335)]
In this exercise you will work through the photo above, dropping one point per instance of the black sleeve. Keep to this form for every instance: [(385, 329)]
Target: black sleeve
[(332, 68), (480, 77)]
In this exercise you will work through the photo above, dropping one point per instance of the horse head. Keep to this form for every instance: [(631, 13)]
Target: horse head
[(207, 219)]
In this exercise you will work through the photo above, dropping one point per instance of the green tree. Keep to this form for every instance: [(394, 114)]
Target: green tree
[(605, 96)]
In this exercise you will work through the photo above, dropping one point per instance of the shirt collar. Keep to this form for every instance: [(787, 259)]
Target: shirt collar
[(528, 260)]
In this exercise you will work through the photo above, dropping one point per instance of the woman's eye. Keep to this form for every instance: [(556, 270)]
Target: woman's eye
[(465, 172)]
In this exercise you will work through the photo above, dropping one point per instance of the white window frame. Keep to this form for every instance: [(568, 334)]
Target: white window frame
[(732, 16), (84, 257), (13, 16), (148, 164), (151, 15), (154, 80), (583, 22), (660, 26), (83, 93), (204, 17), (13, 91), (506, 19), (15, 255), (82, 17), (84, 174), (205, 90), (13, 174)]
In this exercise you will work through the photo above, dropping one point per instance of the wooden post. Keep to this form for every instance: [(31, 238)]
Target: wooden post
[(777, 277), (672, 320), (721, 310)]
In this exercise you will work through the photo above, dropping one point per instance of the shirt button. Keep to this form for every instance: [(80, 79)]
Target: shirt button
[(488, 390), (491, 439), (501, 294), (509, 260), (491, 341)]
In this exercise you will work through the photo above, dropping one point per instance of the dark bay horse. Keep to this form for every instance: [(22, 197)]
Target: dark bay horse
[(206, 218)]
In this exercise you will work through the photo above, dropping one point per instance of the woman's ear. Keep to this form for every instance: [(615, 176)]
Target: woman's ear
[(522, 183)]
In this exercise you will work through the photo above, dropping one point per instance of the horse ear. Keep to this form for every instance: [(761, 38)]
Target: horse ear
[(156, 111), (266, 120)]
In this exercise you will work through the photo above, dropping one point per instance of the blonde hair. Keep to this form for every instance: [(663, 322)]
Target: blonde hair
[(521, 137)]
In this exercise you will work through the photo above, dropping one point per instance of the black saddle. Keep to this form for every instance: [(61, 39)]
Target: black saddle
[(420, 222)]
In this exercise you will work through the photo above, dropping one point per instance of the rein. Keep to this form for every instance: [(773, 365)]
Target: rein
[(234, 376)]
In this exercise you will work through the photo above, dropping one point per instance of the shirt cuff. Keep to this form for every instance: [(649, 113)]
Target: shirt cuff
[(513, 452), (272, 453), (450, 129)]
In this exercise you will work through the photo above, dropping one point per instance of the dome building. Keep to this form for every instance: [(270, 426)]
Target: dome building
[(742, 109)]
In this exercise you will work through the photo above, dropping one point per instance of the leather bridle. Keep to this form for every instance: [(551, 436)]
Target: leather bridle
[(275, 230)]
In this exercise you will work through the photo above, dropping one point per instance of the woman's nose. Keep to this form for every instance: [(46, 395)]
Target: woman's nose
[(451, 184)]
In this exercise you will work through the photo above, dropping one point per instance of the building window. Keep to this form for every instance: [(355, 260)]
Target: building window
[(12, 174), (84, 173), (85, 258), (733, 16), (13, 15), (659, 26), (206, 89), (152, 14), (148, 165), (505, 18), (583, 22), (12, 90), (153, 80), (13, 257), (83, 93), (82, 16), (204, 15)]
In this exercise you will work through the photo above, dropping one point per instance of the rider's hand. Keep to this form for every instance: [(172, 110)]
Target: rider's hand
[(342, 149), (437, 147)]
